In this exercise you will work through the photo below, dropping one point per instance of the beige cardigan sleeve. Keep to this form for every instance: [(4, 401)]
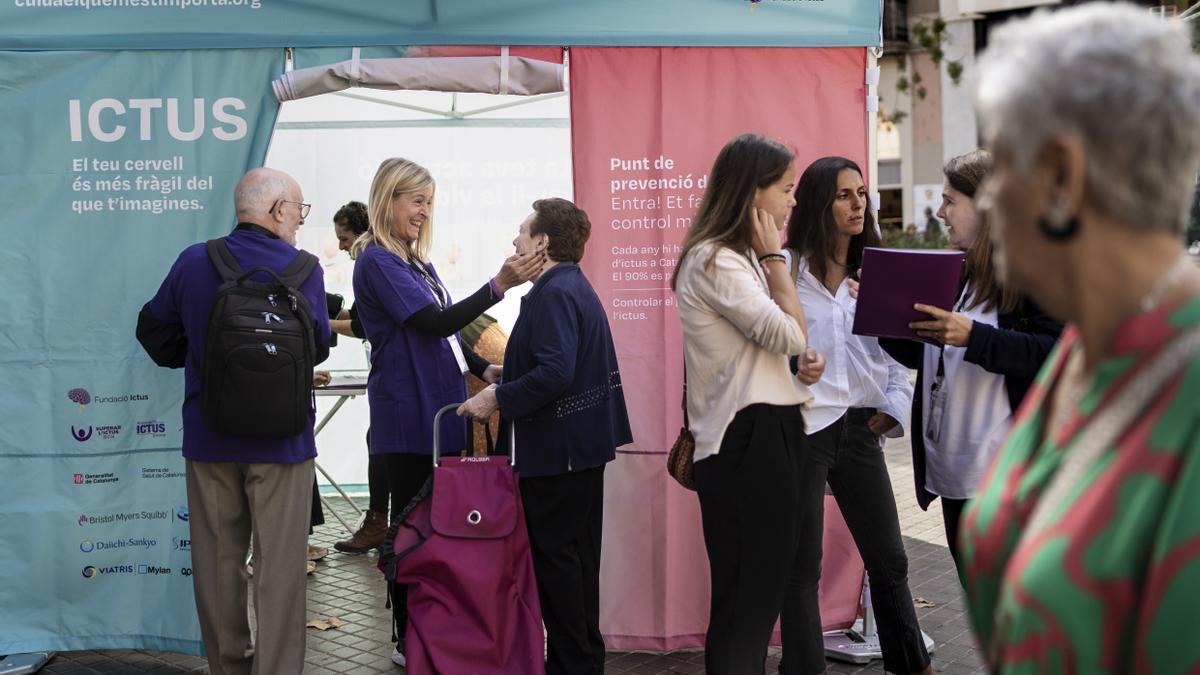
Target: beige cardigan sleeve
[(735, 288)]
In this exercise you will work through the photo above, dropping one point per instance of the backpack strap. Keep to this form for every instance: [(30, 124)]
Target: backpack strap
[(299, 269), (227, 266), (222, 259)]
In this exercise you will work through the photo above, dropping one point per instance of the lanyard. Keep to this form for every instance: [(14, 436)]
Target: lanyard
[(431, 282), (440, 296), (941, 367)]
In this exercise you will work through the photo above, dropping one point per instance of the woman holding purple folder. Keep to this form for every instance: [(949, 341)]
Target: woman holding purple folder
[(990, 347)]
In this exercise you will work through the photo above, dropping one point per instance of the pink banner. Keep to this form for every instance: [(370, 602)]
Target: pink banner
[(647, 124)]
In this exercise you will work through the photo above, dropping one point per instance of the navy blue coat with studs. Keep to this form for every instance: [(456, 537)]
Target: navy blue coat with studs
[(561, 385)]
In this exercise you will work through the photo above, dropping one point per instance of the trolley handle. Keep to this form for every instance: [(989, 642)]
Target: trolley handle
[(437, 435)]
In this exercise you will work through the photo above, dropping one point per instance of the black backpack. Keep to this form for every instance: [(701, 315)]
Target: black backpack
[(260, 350)]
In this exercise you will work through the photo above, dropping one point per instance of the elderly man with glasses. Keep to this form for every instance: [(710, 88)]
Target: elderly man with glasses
[(240, 486)]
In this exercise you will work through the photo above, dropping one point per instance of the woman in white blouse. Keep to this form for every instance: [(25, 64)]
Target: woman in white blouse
[(741, 320), (862, 397)]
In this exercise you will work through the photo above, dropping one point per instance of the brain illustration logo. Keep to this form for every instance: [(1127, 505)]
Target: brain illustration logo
[(80, 396)]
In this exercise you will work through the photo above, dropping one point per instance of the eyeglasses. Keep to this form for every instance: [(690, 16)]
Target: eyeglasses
[(304, 208)]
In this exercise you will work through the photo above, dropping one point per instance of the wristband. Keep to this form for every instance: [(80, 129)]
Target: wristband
[(771, 256), (496, 292)]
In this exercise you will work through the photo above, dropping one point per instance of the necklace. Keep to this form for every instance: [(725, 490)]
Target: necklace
[(1165, 282), (1074, 380)]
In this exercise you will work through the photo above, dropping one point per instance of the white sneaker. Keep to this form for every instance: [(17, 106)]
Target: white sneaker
[(398, 657)]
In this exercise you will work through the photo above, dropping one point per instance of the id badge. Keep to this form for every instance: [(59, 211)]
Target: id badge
[(937, 410), (456, 347)]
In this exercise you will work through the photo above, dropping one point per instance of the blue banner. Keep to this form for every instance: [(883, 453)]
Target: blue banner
[(190, 24), (111, 163)]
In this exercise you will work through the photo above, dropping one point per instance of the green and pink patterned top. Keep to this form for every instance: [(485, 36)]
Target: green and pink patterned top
[(1112, 584)]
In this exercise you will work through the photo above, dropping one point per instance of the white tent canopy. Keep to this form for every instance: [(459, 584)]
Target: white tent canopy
[(503, 74)]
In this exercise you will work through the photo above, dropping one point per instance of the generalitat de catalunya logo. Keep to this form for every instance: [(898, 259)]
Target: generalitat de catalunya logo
[(95, 478)]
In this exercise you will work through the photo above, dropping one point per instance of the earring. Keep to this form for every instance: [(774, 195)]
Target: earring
[(1058, 225)]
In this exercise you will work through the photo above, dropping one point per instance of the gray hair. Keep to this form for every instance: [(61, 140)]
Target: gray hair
[(1123, 82), (258, 191)]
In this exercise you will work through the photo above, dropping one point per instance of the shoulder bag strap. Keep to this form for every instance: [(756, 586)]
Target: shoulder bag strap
[(683, 403), (794, 263)]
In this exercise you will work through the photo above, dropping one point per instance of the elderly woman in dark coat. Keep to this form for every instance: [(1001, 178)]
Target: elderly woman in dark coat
[(561, 388)]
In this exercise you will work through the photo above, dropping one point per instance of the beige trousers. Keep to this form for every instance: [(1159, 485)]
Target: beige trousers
[(228, 503)]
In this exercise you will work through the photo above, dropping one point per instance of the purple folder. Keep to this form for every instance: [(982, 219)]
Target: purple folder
[(893, 280)]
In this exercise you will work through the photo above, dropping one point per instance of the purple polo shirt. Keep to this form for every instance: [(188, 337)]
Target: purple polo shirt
[(186, 297), (413, 374)]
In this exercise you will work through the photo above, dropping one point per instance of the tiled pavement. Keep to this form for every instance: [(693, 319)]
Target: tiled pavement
[(348, 587)]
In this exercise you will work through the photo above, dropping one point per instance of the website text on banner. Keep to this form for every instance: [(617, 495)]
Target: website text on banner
[(104, 178), (642, 150), (202, 24)]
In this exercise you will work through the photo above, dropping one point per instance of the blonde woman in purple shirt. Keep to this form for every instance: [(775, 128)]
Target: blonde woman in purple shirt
[(417, 360)]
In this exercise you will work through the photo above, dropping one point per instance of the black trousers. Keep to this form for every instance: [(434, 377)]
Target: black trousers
[(317, 517), (849, 457), (564, 515), (377, 480), (952, 510), (406, 474), (751, 509)]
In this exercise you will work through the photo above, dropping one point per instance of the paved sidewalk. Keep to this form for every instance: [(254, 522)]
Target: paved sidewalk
[(350, 588)]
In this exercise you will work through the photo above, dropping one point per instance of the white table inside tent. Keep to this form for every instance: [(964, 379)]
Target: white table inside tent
[(344, 386)]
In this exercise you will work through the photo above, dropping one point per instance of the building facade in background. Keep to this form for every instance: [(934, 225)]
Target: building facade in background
[(917, 134)]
